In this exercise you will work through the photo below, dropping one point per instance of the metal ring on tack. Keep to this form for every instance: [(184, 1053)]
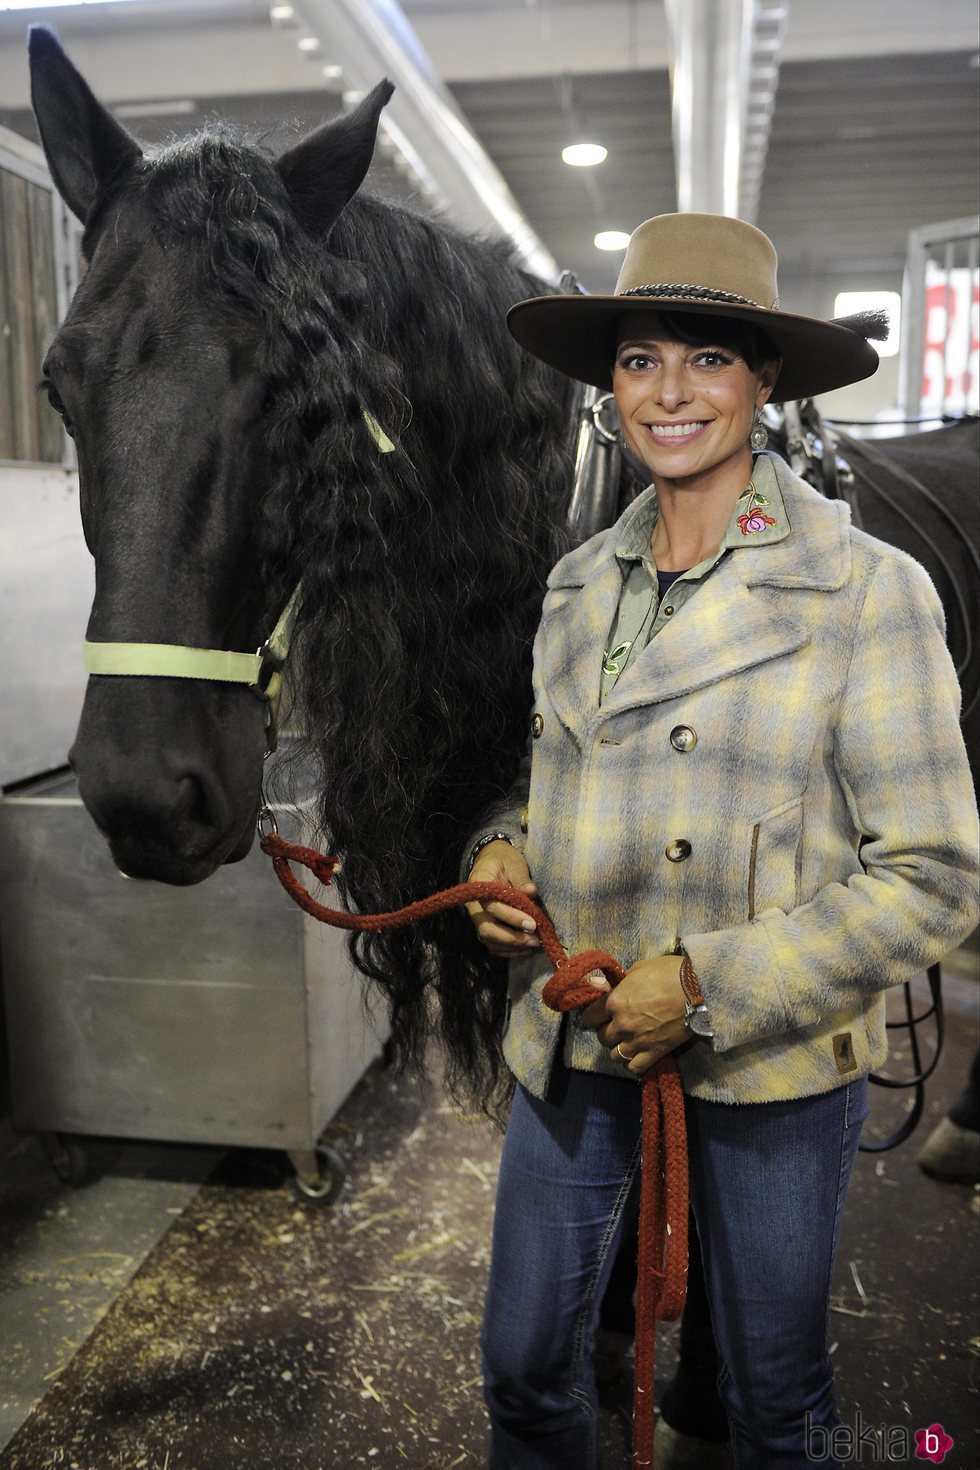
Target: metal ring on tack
[(265, 823)]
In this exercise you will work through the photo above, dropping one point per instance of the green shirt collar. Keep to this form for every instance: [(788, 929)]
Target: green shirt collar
[(759, 519)]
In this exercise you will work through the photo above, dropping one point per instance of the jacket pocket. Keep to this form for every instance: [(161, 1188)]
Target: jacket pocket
[(775, 859)]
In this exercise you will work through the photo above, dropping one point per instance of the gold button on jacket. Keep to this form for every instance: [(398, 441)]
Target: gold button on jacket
[(683, 738)]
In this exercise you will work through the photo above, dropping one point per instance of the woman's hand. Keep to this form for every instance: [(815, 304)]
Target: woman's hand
[(506, 932), (643, 1016)]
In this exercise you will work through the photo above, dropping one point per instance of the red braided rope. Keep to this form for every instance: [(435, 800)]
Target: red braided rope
[(661, 1280)]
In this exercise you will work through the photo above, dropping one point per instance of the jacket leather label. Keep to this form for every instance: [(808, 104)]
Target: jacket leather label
[(844, 1052)]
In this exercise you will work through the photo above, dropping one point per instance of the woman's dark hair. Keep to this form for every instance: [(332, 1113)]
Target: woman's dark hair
[(695, 330)]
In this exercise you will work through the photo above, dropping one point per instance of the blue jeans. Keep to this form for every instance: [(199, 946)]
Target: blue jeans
[(767, 1186)]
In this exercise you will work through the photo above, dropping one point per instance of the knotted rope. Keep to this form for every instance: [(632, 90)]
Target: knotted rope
[(662, 1259)]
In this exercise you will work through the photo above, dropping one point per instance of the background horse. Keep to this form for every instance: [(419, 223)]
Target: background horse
[(918, 492), (238, 317)]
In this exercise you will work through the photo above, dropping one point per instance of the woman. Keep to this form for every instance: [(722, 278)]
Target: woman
[(747, 782)]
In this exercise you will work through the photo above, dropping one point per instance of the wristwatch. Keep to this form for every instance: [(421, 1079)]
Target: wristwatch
[(696, 1017)]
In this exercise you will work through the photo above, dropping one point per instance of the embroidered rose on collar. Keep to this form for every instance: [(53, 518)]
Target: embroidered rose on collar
[(753, 518)]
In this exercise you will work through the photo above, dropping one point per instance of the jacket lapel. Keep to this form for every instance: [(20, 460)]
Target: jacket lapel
[(583, 595), (725, 628), (738, 618)]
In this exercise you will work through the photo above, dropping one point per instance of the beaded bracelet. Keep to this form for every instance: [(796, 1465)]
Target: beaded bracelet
[(478, 847)]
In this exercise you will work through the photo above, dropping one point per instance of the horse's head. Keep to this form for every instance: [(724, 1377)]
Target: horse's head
[(174, 375)]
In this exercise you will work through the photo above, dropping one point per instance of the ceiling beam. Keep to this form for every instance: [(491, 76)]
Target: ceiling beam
[(724, 72)]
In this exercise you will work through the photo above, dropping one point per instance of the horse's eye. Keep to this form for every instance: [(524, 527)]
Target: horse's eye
[(57, 403)]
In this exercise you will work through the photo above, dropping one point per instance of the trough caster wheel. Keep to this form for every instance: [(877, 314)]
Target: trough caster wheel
[(320, 1175), (69, 1158)]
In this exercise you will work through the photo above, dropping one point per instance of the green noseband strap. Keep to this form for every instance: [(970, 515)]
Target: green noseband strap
[(172, 661)]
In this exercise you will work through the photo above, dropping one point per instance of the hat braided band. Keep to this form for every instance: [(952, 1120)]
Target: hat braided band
[(685, 291)]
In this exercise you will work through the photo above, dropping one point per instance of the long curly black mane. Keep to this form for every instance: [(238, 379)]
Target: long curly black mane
[(423, 569), (423, 572)]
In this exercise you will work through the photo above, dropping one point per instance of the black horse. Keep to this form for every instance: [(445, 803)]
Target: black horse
[(238, 318)]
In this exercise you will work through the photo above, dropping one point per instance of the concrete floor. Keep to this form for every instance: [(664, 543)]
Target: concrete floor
[(185, 1312)]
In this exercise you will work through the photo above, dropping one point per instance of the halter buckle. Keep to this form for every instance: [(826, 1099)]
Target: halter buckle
[(271, 663)]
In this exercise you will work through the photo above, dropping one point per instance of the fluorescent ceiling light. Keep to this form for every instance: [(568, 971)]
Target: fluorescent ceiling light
[(583, 155), (611, 240), (51, 4), (179, 107)]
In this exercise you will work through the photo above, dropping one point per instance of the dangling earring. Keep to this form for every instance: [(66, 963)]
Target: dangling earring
[(759, 436)]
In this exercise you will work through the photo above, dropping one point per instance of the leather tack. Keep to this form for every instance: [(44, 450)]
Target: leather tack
[(537, 726), (683, 738), (677, 851)]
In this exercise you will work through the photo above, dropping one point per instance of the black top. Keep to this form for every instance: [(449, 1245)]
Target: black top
[(666, 579)]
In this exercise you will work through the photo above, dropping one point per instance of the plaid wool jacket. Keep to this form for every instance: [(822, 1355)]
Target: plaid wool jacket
[(779, 787)]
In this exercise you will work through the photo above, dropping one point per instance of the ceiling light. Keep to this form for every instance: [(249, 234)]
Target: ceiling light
[(47, 4), (583, 155), (178, 107), (333, 72), (611, 240), (309, 44), (282, 14)]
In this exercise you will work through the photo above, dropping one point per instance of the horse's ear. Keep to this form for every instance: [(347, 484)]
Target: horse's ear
[(327, 168), (86, 148)]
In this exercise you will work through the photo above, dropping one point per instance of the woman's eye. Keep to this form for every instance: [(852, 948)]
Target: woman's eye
[(635, 361), (713, 358)]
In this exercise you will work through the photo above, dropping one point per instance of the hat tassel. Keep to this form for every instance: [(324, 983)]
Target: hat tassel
[(874, 324)]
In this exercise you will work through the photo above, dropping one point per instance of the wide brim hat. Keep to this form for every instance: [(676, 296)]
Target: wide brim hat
[(708, 265)]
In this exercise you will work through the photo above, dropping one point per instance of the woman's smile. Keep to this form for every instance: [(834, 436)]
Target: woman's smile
[(678, 433)]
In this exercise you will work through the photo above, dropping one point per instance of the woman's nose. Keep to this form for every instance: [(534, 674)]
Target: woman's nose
[(673, 387)]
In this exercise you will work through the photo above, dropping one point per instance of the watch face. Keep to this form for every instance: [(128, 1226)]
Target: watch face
[(698, 1022)]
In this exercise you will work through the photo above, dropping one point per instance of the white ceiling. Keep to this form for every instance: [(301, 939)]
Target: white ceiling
[(875, 130)]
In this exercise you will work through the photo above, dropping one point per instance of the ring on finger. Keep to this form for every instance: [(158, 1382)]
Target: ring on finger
[(618, 1052)]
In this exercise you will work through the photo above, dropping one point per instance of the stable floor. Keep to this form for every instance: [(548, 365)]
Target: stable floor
[(186, 1311)]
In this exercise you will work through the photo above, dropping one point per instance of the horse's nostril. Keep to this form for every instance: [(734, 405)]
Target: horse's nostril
[(192, 803)]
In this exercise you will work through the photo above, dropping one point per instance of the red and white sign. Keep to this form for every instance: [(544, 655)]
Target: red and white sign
[(951, 348)]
